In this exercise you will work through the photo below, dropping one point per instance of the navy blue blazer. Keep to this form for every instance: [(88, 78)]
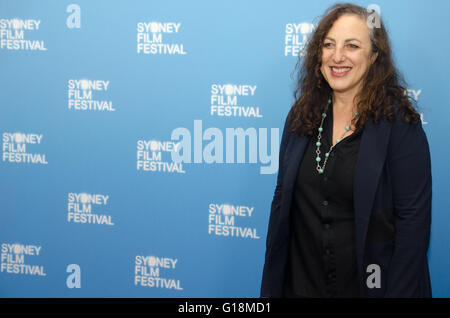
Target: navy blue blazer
[(392, 203)]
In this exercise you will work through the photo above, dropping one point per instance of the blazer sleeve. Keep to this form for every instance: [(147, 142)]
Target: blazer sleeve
[(267, 282), (277, 193), (410, 168)]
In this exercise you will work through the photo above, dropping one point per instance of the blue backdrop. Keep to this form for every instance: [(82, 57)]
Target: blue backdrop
[(99, 102)]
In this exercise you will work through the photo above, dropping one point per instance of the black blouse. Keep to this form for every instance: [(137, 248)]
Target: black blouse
[(322, 252)]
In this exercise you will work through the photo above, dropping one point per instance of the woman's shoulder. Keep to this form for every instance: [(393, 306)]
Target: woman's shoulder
[(400, 113), (407, 129), (406, 117)]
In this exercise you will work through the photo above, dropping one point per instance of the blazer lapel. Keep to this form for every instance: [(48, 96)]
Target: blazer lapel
[(371, 158)]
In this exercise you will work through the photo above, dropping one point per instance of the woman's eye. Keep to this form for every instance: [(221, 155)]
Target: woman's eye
[(329, 45)]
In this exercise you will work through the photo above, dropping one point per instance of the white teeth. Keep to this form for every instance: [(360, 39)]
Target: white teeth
[(340, 70)]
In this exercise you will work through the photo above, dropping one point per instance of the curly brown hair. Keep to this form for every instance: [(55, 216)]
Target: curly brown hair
[(383, 87)]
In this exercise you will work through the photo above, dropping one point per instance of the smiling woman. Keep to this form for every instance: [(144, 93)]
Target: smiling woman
[(346, 58), (350, 216), (352, 63)]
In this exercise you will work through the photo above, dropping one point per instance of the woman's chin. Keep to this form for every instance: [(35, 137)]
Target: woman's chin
[(341, 88)]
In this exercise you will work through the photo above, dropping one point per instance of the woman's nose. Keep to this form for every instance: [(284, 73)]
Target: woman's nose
[(338, 54)]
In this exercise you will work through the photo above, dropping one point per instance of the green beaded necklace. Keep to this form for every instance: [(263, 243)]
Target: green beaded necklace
[(319, 137)]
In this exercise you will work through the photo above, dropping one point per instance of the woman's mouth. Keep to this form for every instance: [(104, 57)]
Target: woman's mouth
[(340, 71)]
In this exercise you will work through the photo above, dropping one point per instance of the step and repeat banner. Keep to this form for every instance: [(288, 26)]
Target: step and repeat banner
[(140, 139)]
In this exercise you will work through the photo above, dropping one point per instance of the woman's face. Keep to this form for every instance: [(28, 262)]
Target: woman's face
[(346, 54)]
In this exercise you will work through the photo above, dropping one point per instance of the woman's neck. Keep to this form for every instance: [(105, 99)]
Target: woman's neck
[(344, 102)]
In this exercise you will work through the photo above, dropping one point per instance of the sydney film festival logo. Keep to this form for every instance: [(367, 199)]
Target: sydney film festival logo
[(296, 37), (229, 220), (15, 256), (81, 206), (88, 95), (14, 35), (231, 100), (21, 148), (156, 272), (157, 38)]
